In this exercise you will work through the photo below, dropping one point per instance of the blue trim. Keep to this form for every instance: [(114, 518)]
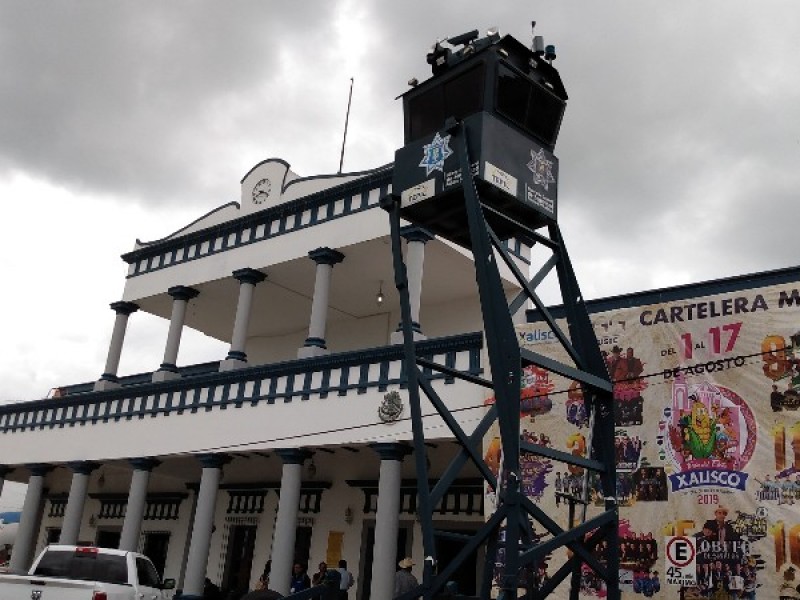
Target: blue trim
[(177, 395), (248, 275), (326, 256), (415, 327), (450, 362), (391, 450), (516, 248), (39, 469), (343, 381), (682, 292), (383, 376), (415, 233), (314, 342), (83, 467), (293, 456), (213, 461), (280, 161), (287, 393), (273, 389), (326, 383), (363, 378), (124, 308), (144, 464), (182, 292)]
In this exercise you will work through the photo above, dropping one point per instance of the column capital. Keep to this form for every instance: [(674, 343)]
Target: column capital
[(39, 469), (124, 308), (181, 292), (293, 456), (391, 450), (144, 463), (5, 470), (248, 275), (213, 461), (82, 467), (415, 233), (326, 256)]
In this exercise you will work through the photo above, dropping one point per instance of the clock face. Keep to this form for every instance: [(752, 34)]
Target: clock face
[(261, 191)]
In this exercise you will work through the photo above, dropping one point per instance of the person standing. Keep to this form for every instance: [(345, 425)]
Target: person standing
[(300, 580), (558, 489), (319, 576), (776, 399), (404, 580), (345, 579)]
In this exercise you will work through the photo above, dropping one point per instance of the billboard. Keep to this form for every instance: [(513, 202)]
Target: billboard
[(707, 389)]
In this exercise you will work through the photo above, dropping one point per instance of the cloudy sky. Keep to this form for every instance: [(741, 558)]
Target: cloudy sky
[(121, 120)]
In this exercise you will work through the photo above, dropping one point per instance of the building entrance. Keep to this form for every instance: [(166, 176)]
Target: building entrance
[(108, 538), (155, 548), (468, 573), (239, 559), (302, 545), (365, 568)]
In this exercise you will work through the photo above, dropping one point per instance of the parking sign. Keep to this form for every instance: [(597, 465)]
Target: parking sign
[(681, 567)]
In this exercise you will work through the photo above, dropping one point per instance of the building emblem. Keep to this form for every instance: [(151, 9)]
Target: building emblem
[(542, 169), (435, 153), (391, 408)]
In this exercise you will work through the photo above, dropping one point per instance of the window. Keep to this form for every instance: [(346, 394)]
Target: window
[(146, 573), (85, 566), (528, 104), (457, 97)]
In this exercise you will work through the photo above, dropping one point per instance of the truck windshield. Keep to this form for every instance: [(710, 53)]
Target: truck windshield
[(106, 568)]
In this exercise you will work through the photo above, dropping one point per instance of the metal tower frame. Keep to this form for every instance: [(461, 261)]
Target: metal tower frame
[(510, 526)]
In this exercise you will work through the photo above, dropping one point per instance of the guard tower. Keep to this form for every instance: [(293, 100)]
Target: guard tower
[(478, 168)]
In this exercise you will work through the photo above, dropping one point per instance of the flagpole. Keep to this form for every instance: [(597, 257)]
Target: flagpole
[(346, 121)]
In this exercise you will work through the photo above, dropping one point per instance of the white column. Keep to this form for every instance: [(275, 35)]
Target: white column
[(416, 238), (325, 258), (180, 300), (387, 518), (202, 526), (283, 538), (29, 520), (109, 380), (76, 501), (248, 279), (137, 503)]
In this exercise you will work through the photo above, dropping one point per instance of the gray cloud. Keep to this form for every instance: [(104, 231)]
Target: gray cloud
[(679, 148), (109, 97)]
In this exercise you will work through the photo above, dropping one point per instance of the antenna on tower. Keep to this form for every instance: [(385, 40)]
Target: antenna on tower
[(537, 43), (346, 121)]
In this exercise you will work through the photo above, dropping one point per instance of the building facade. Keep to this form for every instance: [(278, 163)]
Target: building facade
[(291, 447), (294, 446)]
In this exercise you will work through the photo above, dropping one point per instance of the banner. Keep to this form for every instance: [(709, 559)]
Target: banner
[(707, 392)]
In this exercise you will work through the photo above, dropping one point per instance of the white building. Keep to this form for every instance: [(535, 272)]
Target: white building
[(278, 450)]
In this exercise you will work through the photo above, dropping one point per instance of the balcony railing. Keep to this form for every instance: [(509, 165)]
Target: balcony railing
[(342, 200), (373, 369)]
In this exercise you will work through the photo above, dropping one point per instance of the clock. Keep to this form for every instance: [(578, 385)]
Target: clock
[(261, 191)]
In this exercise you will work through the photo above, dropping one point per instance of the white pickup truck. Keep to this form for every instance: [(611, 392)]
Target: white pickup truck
[(86, 573)]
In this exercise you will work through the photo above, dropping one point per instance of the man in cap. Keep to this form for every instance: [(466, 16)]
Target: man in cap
[(721, 529), (404, 580)]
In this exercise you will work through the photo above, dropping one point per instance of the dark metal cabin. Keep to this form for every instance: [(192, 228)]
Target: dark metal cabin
[(511, 101)]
